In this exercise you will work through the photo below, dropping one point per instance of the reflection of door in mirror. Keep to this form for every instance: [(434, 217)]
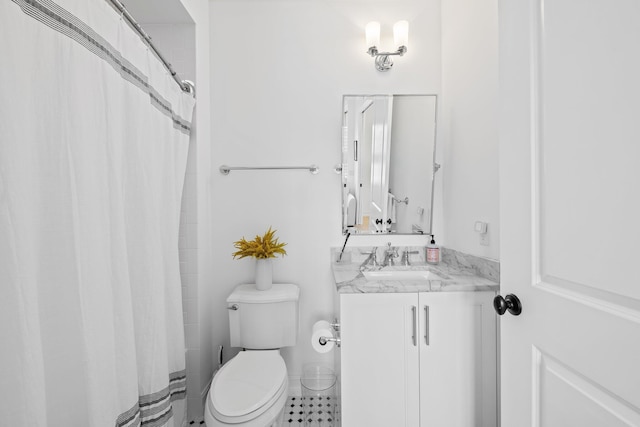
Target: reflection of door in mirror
[(364, 128), (388, 147), (380, 144), (352, 191), (366, 145), (351, 188)]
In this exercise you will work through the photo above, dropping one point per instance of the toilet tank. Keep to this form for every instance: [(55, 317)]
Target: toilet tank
[(262, 320)]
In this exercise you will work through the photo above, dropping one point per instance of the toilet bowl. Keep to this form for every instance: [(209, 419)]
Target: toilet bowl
[(248, 391), (251, 389)]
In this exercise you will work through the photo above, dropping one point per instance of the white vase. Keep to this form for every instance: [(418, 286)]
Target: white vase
[(264, 274)]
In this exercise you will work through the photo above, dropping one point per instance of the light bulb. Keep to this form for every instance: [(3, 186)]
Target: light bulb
[(372, 31), (401, 33)]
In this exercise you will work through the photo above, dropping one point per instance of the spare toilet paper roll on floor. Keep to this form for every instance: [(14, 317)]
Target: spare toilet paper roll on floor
[(322, 328)]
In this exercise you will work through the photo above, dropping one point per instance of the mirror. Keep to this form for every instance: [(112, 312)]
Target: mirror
[(388, 167)]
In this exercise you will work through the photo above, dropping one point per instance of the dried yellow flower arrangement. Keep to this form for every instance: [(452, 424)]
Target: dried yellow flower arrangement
[(261, 247)]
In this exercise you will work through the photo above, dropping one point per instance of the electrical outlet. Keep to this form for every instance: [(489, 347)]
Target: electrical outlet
[(482, 229)]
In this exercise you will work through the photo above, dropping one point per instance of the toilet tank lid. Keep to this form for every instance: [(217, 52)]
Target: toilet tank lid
[(279, 292)]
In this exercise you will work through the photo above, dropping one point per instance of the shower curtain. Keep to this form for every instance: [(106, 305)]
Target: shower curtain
[(94, 135)]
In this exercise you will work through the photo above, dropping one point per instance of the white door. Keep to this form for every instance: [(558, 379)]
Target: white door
[(570, 212)]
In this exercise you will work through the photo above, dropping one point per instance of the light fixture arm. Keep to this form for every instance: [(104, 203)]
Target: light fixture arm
[(383, 61)]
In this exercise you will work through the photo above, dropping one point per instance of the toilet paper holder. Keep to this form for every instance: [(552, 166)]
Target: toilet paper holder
[(336, 327), (325, 340)]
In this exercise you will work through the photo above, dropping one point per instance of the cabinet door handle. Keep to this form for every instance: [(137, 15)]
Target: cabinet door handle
[(413, 337), (426, 324)]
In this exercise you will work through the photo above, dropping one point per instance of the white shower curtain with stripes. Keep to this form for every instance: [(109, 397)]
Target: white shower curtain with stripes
[(94, 135)]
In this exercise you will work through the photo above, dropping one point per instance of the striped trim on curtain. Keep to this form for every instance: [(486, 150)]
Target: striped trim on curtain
[(153, 410), (57, 18)]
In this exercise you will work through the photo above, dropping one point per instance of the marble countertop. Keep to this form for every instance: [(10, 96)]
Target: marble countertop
[(455, 277)]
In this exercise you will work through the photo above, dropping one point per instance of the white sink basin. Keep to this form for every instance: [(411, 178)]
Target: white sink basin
[(401, 275)]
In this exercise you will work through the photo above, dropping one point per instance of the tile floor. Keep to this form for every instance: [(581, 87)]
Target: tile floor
[(320, 412)]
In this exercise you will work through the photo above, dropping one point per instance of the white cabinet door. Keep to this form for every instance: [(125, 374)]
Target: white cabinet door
[(379, 360), (457, 359)]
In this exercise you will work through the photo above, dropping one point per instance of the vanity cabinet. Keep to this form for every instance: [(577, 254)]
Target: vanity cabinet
[(418, 359)]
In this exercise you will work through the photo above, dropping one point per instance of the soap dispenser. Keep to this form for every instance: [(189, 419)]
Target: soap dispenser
[(433, 252)]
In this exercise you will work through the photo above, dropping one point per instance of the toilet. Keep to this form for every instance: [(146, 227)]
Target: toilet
[(251, 389)]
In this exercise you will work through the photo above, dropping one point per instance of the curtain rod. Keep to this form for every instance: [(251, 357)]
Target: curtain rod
[(185, 85)]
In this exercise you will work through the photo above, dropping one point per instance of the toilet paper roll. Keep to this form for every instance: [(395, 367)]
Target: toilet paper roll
[(322, 328)]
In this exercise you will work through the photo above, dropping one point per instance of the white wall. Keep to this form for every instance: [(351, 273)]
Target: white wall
[(279, 69), (469, 124)]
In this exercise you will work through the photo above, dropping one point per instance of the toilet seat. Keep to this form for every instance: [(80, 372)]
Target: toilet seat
[(247, 386)]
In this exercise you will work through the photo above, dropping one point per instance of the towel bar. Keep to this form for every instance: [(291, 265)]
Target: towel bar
[(225, 170), (405, 201)]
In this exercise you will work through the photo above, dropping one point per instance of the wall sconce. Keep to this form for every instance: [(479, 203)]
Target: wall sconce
[(400, 37)]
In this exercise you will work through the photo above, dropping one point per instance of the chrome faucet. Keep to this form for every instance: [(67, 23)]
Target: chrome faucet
[(405, 256), (371, 259), (389, 255)]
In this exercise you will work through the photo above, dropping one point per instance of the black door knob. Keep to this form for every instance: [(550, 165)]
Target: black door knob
[(510, 302)]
